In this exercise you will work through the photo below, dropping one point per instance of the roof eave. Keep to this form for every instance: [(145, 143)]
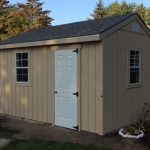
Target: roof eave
[(53, 42)]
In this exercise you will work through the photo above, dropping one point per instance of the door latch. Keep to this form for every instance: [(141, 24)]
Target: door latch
[(76, 127), (55, 91), (75, 94)]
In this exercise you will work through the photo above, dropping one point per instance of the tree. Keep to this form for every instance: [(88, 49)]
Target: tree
[(116, 8), (4, 11), (142, 11), (99, 11), (24, 17)]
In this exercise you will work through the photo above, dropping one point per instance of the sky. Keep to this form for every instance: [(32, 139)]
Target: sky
[(68, 11)]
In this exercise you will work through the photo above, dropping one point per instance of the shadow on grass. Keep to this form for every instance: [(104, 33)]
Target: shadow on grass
[(7, 132), (35, 144)]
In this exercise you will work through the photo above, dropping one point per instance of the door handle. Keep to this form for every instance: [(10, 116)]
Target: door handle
[(55, 92)]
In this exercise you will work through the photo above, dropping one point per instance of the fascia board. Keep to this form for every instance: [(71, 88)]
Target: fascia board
[(89, 38)]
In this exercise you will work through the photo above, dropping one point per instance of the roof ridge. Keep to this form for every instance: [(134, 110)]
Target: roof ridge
[(91, 20)]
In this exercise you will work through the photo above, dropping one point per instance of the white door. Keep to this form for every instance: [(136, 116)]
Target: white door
[(65, 86)]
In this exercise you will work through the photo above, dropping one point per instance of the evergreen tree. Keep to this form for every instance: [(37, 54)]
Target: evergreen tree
[(148, 17), (99, 11), (36, 16), (117, 8), (4, 11), (142, 11)]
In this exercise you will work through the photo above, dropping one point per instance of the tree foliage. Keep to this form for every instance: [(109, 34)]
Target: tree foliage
[(99, 11), (116, 8), (20, 17), (4, 11)]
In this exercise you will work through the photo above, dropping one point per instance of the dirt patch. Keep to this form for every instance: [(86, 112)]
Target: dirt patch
[(22, 136), (48, 132)]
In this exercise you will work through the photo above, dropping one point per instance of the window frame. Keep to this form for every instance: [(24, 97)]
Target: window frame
[(130, 85), (18, 82)]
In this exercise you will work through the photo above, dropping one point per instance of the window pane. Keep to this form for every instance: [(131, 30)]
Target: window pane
[(137, 61), (24, 55), (19, 78), (137, 57), (24, 63), (134, 77), (137, 53), (19, 71), (131, 64), (132, 52), (25, 78), (18, 56), (131, 61), (18, 63), (137, 65), (25, 71)]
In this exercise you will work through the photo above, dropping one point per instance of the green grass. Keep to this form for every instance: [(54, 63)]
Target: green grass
[(7, 132), (36, 144)]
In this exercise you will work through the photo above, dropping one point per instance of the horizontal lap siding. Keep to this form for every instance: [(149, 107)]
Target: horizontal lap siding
[(122, 105)]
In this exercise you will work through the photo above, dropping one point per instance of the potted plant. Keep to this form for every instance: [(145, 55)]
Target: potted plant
[(131, 132)]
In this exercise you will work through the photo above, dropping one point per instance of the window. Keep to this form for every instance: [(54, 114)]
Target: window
[(22, 67), (135, 57)]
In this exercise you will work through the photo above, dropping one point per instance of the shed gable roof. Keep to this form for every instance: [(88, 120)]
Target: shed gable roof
[(77, 29), (95, 28)]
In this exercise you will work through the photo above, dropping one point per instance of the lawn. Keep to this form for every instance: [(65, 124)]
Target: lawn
[(37, 144)]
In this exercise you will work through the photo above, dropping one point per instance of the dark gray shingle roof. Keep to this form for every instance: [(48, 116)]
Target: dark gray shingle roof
[(77, 29)]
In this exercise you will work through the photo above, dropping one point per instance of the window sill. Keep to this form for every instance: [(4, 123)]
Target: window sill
[(22, 84), (133, 86)]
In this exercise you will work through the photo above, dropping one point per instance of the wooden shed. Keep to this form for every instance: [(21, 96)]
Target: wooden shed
[(91, 75)]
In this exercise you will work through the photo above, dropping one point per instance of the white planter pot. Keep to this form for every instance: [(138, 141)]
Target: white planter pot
[(131, 136)]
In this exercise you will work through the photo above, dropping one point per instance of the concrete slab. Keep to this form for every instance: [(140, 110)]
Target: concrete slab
[(4, 143)]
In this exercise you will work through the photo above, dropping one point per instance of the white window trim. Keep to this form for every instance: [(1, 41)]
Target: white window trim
[(21, 67), (135, 67)]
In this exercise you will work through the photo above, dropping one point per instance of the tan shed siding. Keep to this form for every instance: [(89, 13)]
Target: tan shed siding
[(39, 82), (35, 84), (45, 85), (91, 87), (99, 89), (36, 100), (9, 83), (13, 89), (50, 83), (128, 27), (3, 76), (122, 105)]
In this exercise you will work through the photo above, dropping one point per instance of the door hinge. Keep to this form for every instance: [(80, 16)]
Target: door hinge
[(75, 51), (77, 94), (76, 127)]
